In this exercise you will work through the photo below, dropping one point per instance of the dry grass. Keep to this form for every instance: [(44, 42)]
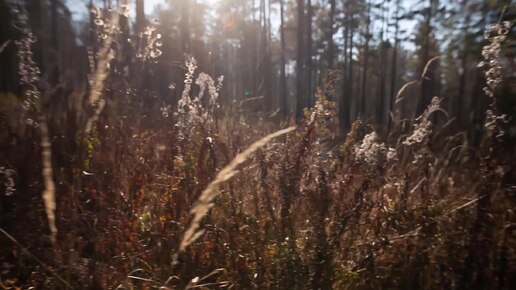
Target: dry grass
[(157, 203)]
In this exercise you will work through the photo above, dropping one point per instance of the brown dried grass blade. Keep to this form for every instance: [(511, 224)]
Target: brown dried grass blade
[(399, 98), (49, 193), (4, 45), (29, 254), (400, 92), (205, 201), (427, 65)]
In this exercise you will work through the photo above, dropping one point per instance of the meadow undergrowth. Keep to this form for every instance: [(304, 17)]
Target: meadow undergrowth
[(194, 197)]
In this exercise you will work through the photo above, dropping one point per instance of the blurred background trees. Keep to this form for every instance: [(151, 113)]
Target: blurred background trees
[(277, 52)]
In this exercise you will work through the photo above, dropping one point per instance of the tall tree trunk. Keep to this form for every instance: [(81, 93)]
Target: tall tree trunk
[(254, 54), (460, 107), (309, 44), (331, 32), (54, 73), (300, 64), (350, 65), (345, 102), (380, 105), (283, 75), (361, 111), (185, 26), (267, 62), (262, 74), (394, 62), (426, 82), (140, 15)]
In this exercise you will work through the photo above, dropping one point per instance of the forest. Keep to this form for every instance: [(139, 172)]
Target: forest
[(258, 144)]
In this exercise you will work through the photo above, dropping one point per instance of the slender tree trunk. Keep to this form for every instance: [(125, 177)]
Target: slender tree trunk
[(283, 76), (309, 44), (262, 57), (460, 107), (426, 83), (269, 33), (331, 32), (361, 111), (267, 62), (185, 26), (394, 62), (140, 15), (54, 74), (350, 65), (254, 54), (345, 102), (380, 103), (300, 65)]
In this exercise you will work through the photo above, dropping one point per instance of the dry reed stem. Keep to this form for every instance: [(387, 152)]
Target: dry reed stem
[(4, 45), (49, 193), (398, 96), (205, 201), (427, 65), (404, 87), (26, 251), (105, 56), (26, 61)]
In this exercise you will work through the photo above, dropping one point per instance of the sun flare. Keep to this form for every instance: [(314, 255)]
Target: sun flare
[(211, 2)]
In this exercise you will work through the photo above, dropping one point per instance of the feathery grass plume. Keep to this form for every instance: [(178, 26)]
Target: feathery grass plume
[(27, 69), (374, 152), (29, 79), (105, 55), (351, 138), (184, 105), (194, 111), (205, 81), (495, 35), (205, 201), (423, 125), (483, 232), (191, 66), (150, 42)]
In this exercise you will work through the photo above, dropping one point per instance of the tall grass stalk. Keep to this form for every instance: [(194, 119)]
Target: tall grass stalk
[(105, 55), (29, 79), (205, 201)]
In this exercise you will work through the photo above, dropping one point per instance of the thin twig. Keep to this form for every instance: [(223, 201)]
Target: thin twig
[(3, 46), (45, 266)]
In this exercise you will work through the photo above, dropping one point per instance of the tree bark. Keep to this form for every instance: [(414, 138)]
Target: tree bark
[(361, 109), (140, 15), (283, 75), (331, 32), (185, 26), (346, 88), (426, 82), (380, 105), (300, 64), (394, 62), (309, 44)]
